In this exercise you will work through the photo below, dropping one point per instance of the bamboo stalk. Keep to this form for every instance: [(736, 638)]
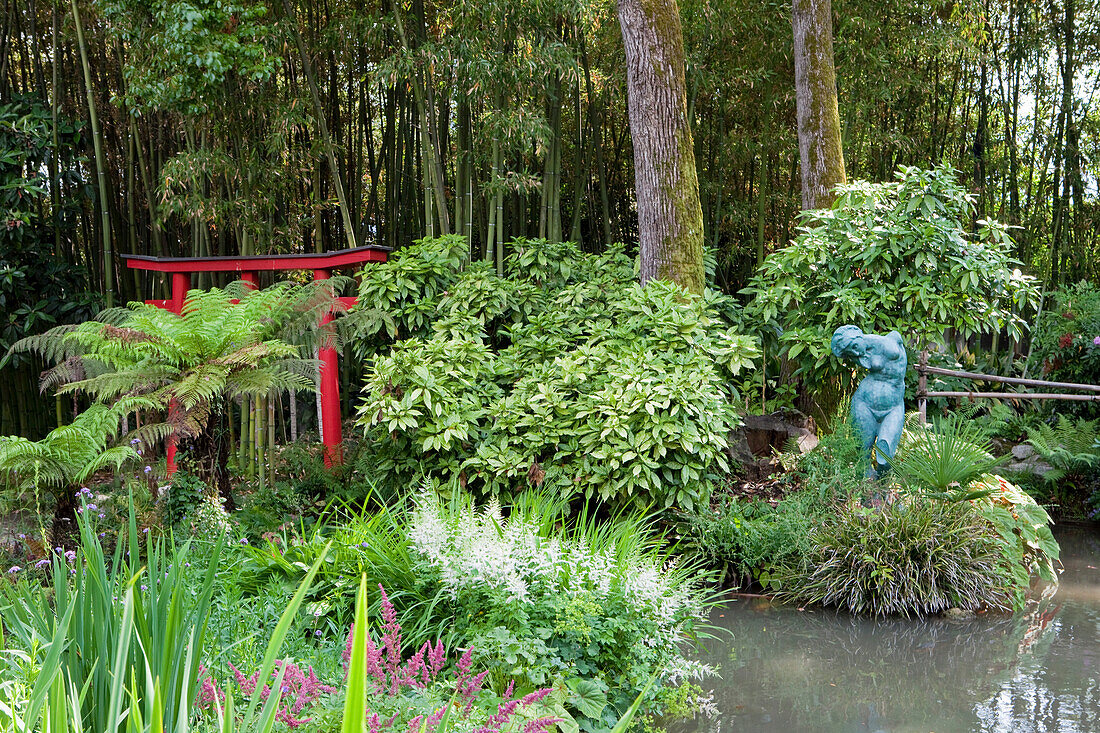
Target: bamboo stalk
[(100, 165), (326, 139)]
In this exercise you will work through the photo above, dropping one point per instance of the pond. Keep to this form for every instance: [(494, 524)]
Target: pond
[(811, 670)]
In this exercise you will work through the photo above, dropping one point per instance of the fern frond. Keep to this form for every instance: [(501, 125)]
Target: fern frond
[(115, 458), (1070, 447)]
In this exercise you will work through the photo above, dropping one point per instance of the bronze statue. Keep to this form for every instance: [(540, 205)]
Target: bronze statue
[(878, 406)]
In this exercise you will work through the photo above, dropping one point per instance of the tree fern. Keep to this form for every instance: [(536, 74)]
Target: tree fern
[(68, 455), (226, 344)]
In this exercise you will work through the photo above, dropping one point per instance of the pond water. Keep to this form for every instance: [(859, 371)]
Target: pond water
[(789, 670)]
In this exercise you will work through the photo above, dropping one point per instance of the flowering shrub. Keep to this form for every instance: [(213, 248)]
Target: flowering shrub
[(1067, 339), (591, 611)]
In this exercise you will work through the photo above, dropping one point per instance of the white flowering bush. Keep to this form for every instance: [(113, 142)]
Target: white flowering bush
[(594, 609)]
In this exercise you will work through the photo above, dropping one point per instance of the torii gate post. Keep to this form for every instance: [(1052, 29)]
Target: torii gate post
[(332, 431), (246, 268)]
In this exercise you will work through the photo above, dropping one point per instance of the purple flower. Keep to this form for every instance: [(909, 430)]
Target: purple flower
[(102, 515), (70, 555), (14, 569), (244, 540), (1096, 341), (144, 587), (92, 507), (135, 441), (317, 632), (22, 536), (102, 534), (145, 531), (148, 469), (42, 563)]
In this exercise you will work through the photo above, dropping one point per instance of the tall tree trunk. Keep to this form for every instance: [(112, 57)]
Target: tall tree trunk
[(819, 145), (670, 217)]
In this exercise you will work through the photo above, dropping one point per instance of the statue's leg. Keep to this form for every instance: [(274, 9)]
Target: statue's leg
[(867, 427), (889, 435)]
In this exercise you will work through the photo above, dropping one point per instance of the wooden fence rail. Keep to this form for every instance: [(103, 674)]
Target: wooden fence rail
[(923, 370)]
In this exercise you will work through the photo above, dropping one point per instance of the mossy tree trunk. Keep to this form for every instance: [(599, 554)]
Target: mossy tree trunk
[(819, 145), (670, 217)]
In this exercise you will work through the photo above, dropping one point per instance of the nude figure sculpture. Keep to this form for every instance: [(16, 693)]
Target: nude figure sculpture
[(878, 406)]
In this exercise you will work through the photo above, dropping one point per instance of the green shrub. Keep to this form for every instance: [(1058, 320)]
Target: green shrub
[(914, 556), (887, 256), (571, 377), (752, 539)]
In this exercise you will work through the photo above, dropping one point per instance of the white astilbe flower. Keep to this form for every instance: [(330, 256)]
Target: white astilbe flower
[(481, 551)]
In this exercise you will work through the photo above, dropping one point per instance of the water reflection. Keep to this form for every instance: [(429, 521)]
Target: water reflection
[(789, 670)]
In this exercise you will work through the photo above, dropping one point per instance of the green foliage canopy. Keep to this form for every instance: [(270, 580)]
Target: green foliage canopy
[(564, 372), (890, 256)]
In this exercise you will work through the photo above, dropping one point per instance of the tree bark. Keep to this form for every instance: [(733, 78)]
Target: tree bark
[(819, 146), (670, 217)]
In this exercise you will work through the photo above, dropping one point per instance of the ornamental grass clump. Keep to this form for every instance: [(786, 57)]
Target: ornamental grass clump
[(595, 608), (915, 556)]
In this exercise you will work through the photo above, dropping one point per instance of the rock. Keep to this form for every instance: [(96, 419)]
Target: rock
[(1022, 452), (1034, 464), (958, 614)]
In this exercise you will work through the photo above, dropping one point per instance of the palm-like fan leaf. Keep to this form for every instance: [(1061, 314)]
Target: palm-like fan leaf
[(945, 459)]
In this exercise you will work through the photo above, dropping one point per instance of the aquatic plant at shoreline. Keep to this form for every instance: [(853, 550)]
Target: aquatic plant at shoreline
[(914, 556)]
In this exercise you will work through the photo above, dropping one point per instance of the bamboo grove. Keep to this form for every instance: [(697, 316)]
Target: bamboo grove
[(168, 127)]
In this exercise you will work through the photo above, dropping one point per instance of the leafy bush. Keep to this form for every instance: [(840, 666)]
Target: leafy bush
[(749, 540), (913, 556), (1024, 540), (1067, 337), (888, 256), (573, 377)]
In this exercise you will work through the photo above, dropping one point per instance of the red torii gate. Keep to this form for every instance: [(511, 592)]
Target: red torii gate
[(246, 268)]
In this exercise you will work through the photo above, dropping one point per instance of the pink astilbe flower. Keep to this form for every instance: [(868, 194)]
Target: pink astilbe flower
[(300, 689), (391, 677), (209, 692), (508, 708)]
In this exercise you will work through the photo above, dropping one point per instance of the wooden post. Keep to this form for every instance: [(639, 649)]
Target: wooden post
[(922, 387)]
